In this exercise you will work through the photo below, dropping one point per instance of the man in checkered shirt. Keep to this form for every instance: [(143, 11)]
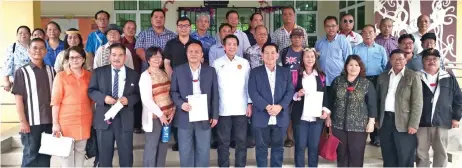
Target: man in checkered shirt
[(281, 36)]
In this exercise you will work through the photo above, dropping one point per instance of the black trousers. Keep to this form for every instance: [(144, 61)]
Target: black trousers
[(374, 135), (398, 148), (224, 127), (138, 111), (115, 134), (350, 150), (31, 142)]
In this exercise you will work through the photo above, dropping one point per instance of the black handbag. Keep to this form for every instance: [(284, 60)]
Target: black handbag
[(92, 145)]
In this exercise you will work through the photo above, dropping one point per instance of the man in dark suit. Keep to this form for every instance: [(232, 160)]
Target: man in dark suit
[(194, 78), (271, 91), (111, 84)]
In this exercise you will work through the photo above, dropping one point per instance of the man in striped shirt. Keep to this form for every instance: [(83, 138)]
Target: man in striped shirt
[(32, 89)]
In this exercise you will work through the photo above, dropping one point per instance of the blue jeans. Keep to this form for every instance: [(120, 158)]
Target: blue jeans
[(274, 135), (31, 142), (194, 146), (307, 134)]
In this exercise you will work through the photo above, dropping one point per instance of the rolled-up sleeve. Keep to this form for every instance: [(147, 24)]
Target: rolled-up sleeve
[(147, 100)]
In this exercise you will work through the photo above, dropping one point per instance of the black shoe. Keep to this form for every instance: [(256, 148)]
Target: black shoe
[(250, 144), (138, 131), (232, 144), (375, 143), (175, 147), (288, 143), (214, 145)]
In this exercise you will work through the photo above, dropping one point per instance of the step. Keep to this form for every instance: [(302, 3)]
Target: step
[(13, 158)]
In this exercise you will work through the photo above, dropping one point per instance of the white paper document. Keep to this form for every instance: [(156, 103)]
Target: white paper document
[(112, 112), (199, 109), (312, 106)]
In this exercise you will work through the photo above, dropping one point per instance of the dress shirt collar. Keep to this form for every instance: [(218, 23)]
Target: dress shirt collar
[(315, 73), (228, 60), (335, 38), (33, 66), (348, 34), (269, 71), (390, 37), (165, 31), (122, 69), (197, 70), (196, 34), (393, 72), (372, 46), (284, 29)]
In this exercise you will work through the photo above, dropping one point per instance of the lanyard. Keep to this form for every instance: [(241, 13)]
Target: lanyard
[(198, 76)]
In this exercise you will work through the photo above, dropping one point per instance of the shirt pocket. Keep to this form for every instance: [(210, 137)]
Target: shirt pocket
[(335, 53)]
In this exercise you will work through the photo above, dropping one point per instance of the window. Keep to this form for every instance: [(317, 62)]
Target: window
[(306, 17), (137, 10), (357, 9)]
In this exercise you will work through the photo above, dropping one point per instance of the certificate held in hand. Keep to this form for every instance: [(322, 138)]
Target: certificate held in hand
[(199, 108), (312, 106)]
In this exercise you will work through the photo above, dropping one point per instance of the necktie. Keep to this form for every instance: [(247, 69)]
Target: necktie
[(115, 86)]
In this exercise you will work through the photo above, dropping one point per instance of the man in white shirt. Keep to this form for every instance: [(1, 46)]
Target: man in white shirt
[(399, 93), (347, 23), (423, 23), (232, 18), (234, 105), (271, 91)]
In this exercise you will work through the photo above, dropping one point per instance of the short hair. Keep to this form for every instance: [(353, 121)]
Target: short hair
[(201, 15), (347, 14), (384, 20), (287, 7), (129, 21), (358, 59), (37, 40), (229, 13), (369, 25), (157, 10), (253, 15), (77, 49), (421, 16), (117, 45), (224, 25), (269, 44), (66, 44), (54, 23), (229, 37), (153, 51), (23, 27), (193, 42), (256, 28), (38, 29), (102, 11), (331, 18), (184, 18), (405, 36), (396, 51)]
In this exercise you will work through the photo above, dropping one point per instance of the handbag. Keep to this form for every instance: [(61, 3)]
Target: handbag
[(56, 146), (92, 146), (328, 145)]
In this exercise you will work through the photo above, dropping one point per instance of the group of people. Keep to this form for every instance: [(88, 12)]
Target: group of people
[(255, 86)]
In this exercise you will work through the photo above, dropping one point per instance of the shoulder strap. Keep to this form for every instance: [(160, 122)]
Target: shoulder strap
[(14, 47)]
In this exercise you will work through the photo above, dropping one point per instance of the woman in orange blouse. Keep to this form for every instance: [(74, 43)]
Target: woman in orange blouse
[(71, 106)]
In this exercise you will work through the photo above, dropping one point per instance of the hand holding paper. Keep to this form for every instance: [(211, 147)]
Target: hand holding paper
[(198, 110), (113, 111)]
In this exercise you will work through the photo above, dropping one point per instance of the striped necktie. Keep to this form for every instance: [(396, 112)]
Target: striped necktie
[(115, 86)]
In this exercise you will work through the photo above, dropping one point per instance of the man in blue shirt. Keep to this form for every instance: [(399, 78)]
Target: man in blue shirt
[(406, 44), (375, 59), (217, 50), (203, 24), (97, 38), (334, 50)]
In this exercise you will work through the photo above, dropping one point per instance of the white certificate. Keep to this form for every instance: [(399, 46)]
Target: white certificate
[(112, 112), (312, 106), (199, 109)]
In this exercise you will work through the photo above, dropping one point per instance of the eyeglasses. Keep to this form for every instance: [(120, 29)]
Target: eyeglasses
[(75, 58), (39, 49), (331, 26), (346, 21), (183, 26), (398, 59)]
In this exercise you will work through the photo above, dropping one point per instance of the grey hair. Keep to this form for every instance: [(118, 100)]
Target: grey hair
[(200, 15)]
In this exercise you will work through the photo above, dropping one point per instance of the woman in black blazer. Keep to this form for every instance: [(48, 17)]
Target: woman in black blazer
[(307, 129)]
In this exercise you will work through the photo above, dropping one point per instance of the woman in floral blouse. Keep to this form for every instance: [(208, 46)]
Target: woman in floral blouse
[(16, 56), (353, 104), (72, 39)]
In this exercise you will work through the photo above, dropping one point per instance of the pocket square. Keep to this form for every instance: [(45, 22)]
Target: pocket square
[(132, 84)]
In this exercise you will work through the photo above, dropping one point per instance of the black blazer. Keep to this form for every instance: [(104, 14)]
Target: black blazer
[(101, 86), (181, 87), (297, 108)]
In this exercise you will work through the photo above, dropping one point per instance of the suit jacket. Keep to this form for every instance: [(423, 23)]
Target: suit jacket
[(101, 86), (182, 87), (260, 94), (297, 107), (408, 99)]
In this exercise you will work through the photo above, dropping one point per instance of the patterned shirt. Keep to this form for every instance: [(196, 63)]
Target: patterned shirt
[(207, 42), (149, 38), (51, 55), (15, 60), (95, 40), (254, 56), (281, 37), (389, 44)]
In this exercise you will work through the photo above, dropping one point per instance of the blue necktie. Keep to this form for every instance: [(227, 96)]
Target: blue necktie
[(115, 86)]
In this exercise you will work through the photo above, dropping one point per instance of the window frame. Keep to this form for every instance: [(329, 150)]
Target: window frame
[(355, 15), (137, 13)]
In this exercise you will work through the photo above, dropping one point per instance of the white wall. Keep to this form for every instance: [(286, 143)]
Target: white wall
[(75, 8), (325, 8)]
